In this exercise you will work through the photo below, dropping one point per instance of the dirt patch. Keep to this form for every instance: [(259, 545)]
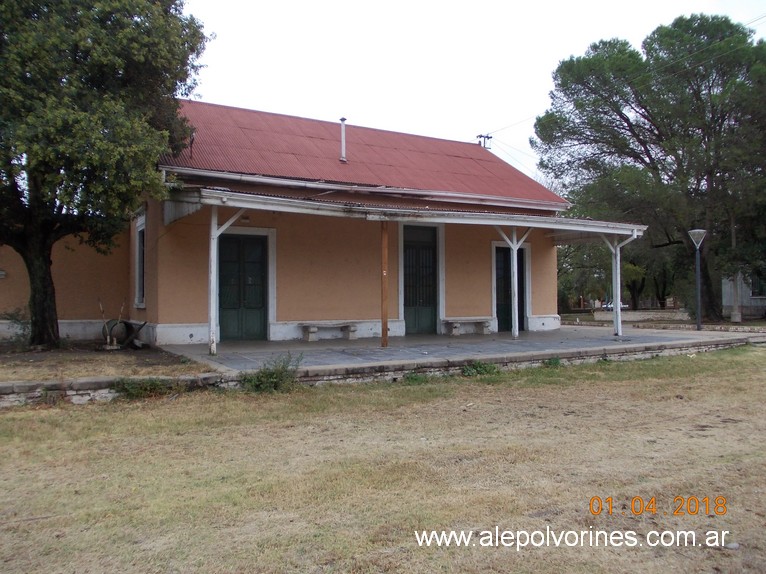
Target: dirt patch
[(338, 478), (86, 359)]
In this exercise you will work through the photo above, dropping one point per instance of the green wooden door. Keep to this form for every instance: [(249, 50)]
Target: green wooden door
[(242, 292), (503, 297), (420, 280)]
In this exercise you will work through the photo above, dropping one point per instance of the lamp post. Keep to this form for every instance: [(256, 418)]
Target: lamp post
[(697, 236)]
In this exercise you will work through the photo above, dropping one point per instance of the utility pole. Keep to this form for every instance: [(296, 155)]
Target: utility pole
[(485, 141)]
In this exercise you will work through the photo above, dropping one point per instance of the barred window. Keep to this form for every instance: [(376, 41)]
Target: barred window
[(757, 286)]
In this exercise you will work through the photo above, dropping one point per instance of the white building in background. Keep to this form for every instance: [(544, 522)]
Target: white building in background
[(752, 297)]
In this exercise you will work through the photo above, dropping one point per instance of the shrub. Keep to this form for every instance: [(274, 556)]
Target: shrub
[(552, 363), (413, 378), (276, 375), (134, 389), (477, 368)]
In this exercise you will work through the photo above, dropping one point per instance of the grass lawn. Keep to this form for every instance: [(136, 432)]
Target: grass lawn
[(339, 478)]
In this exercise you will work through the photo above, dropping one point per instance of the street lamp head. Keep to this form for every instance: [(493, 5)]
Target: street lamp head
[(697, 236)]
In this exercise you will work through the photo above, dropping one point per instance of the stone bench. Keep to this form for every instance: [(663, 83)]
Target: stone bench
[(311, 330), (452, 325)]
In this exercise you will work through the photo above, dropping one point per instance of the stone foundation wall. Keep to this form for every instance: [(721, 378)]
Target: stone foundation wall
[(630, 316), (91, 389), (95, 389)]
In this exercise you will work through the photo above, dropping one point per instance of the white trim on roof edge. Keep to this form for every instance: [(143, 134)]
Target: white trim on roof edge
[(563, 229), (447, 196)]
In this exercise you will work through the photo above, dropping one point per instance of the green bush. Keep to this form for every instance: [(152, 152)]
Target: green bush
[(276, 375), (477, 368), (134, 389), (413, 378), (552, 363)]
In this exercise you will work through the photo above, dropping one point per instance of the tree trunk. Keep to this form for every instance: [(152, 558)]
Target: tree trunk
[(636, 288), (711, 306), (43, 316), (736, 307), (661, 288)]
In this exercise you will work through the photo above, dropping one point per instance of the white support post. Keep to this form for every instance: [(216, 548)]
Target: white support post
[(212, 304), (514, 286), (615, 247), (514, 244), (384, 283), (617, 290)]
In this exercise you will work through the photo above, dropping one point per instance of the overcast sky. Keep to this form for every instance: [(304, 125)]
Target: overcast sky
[(440, 68)]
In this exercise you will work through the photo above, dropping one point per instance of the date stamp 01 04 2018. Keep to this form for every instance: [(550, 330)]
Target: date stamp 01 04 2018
[(682, 506)]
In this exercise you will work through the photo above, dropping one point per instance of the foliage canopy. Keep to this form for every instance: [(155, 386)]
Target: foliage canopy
[(88, 91), (673, 137)]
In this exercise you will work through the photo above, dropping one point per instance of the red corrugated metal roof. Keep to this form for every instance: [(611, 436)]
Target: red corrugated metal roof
[(250, 142)]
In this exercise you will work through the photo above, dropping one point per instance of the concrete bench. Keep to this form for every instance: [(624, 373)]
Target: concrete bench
[(311, 330), (452, 325)]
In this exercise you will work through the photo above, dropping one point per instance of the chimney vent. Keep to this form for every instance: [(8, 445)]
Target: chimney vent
[(343, 140)]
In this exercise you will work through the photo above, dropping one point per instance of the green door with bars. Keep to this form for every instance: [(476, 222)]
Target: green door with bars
[(242, 292), (420, 280)]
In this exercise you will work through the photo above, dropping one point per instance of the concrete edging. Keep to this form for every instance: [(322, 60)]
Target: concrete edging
[(393, 371), (90, 389), (101, 389)]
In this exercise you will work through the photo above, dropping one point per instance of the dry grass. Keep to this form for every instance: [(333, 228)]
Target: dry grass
[(84, 359), (338, 478)]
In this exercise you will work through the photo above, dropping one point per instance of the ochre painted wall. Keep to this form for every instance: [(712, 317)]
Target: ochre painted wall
[(468, 270), (14, 287), (181, 282), (544, 273), (81, 276), (326, 267), (329, 268)]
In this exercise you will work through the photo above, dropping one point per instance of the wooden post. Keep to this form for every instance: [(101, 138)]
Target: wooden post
[(384, 283)]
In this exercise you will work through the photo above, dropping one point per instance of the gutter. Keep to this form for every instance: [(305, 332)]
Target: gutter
[(446, 196), (234, 199)]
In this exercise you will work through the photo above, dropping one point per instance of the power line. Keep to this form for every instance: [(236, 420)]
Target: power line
[(508, 152), (514, 148), (513, 125)]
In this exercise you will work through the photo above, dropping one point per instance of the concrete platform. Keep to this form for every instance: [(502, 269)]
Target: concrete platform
[(364, 359)]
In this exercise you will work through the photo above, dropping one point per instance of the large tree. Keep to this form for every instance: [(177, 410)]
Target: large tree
[(88, 104), (659, 137)]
